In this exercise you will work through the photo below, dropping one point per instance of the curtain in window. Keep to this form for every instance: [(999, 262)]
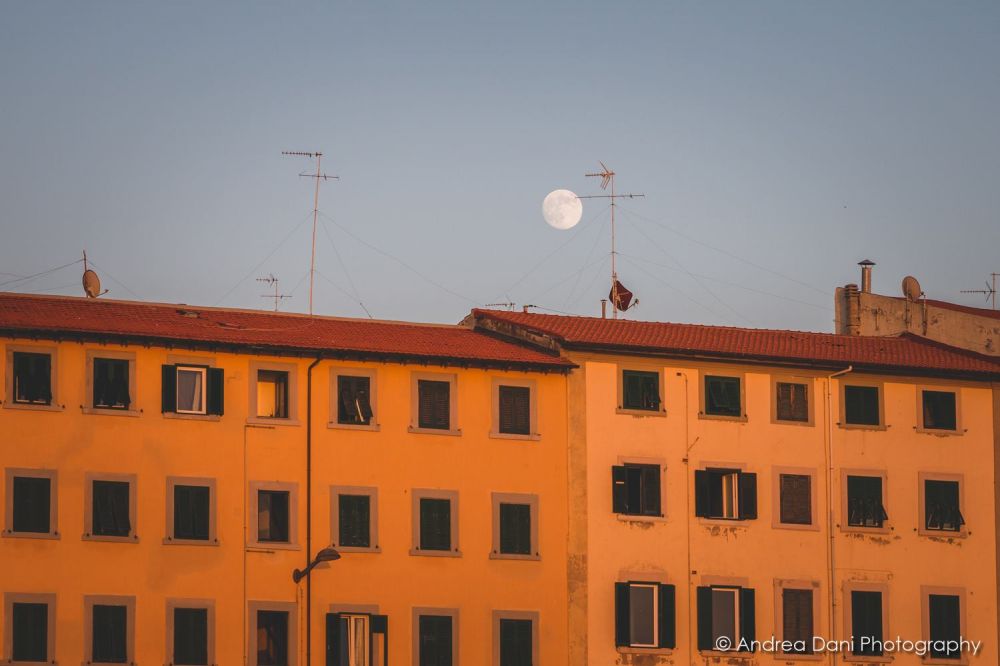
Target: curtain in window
[(190, 636), (30, 632), (110, 629), (32, 378), (111, 508)]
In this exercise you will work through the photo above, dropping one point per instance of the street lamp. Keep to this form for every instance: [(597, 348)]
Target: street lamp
[(328, 554)]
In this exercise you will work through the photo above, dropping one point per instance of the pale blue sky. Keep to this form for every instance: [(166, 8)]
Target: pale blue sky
[(797, 136)]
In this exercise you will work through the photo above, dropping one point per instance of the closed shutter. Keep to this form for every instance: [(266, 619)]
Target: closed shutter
[(434, 404), (622, 607), (435, 640), (702, 493), (861, 405), (32, 504), (793, 402), (705, 635), (111, 508), (216, 391), (515, 642), (748, 617), (945, 624), (354, 520), (651, 490), (30, 632), (190, 636), (797, 618), (619, 489), (110, 634), (866, 621), (667, 617), (435, 524), (515, 410), (515, 529), (168, 389), (191, 512), (748, 495), (796, 499)]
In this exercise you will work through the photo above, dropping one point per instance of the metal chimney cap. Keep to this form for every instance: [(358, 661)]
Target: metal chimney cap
[(866, 262)]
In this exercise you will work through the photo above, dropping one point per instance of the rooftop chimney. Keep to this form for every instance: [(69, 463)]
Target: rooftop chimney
[(866, 275)]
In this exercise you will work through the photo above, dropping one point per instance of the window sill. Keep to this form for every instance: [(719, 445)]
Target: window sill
[(267, 546), (170, 541), (936, 661), (640, 412), (107, 411), (861, 426), (731, 656), (866, 530), (792, 656), (262, 420), (939, 432), (509, 435), (417, 552), (494, 555), (784, 422), (358, 549), (9, 534), (628, 649), (33, 408), (944, 534), (810, 527), (373, 427), (720, 417), (191, 417), (728, 522), (871, 659), (112, 539), (633, 518), (434, 431)]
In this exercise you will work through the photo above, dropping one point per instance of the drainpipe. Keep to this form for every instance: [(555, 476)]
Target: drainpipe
[(829, 509), (309, 421), (687, 530)]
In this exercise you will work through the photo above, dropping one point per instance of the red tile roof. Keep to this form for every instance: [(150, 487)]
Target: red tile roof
[(899, 354), (183, 325)]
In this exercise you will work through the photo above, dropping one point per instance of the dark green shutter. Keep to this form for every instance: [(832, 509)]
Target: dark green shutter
[(622, 629), (705, 636), (190, 637), (748, 495), (216, 391), (702, 493), (748, 615), (32, 504), (651, 490), (110, 634), (667, 617), (619, 489), (30, 632), (168, 389), (380, 625), (333, 642)]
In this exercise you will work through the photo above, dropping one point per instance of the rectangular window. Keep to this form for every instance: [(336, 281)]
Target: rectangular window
[(272, 638), (356, 639), (434, 404), (725, 614), (273, 516), (192, 512), (635, 489), (29, 632), (645, 615), (864, 502), (722, 396), (435, 524), (866, 623), (792, 402), (435, 642), (861, 405), (354, 406), (272, 394), (111, 383), (796, 499), (942, 509), (727, 494), (193, 389), (940, 410), (32, 504), (797, 619), (516, 642), (944, 616), (32, 378), (111, 508), (641, 390), (110, 634), (190, 636), (515, 410), (515, 529), (354, 521)]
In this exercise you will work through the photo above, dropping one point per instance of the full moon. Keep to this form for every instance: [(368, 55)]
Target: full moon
[(562, 209)]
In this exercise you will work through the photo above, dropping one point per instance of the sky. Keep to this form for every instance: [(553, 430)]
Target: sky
[(776, 143)]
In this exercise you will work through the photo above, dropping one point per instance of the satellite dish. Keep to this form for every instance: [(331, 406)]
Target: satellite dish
[(911, 288), (91, 284), (562, 209)]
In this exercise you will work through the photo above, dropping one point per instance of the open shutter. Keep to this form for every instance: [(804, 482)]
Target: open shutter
[(216, 391), (380, 626), (168, 389), (333, 640), (667, 616), (651, 490), (705, 618), (702, 493), (748, 495), (622, 629), (619, 489), (748, 628)]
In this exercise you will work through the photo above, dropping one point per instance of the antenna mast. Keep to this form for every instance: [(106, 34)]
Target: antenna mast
[(271, 280), (607, 177), (319, 175), (990, 291)]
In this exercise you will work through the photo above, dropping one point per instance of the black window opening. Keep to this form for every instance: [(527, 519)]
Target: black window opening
[(515, 410), (641, 390), (356, 639), (435, 524), (645, 615), (32, 504), (192, 389), (940, 410), (516, 642), (866, 623), (354, 521), (272, 394), (795, 499), (635, 489), (515, 529), (354, 406), (110, 634), (191, 636), (797, 620), (192, 512), (793, 402), (864, 502), (942, 509), (111, 383), (945, 626), (435, 646), (722, 396), (861, 405), (272, 638), (434, 404), (29, 632), (726, 616), (32, 378), (273, 516), (111, 509), (726, 494)]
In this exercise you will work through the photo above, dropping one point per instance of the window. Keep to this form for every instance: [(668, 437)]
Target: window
[(192, 389), (111, 383), (191, 509), (354, 404), (864, 502), (515, 526), (273, 516), (725, 614), (190, 627), (861, 405), (515, 642), (110, 507), (942, 508), (940, 410), (644, 615), (792, 402), (728, 494), (866, 622), (355, 521), (635, 489), (356, 639), (640, 390), (435, 523), (436, 639), (797, 619), (272, 638), (944, 619), (31, 502), (515, 410), (110, 628), (434, 404), (29, 628), (32, 378), (795, 499), (272, 394), (723, 396)]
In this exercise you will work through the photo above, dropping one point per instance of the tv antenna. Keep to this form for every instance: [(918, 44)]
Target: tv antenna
[(990, 291), (273, 281), (319, 176), (620, 297)]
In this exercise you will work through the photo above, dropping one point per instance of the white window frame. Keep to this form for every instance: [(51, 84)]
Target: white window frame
[(180, 367), (737, 629), (655, 587)]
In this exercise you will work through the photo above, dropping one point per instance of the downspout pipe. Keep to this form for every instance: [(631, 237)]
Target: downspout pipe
[(309, 422), (830, 554)]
